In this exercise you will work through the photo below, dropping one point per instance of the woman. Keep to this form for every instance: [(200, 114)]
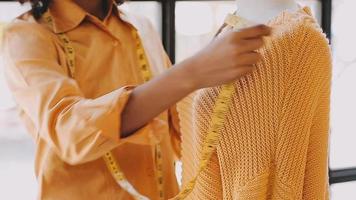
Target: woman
[(70, 66)]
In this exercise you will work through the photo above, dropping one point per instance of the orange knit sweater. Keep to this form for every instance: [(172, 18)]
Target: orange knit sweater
[(274, 142)]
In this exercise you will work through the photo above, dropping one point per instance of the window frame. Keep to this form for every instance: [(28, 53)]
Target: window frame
[(168, 38)]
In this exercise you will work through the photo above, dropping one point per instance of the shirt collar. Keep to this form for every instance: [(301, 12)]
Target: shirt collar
[(67, 15)]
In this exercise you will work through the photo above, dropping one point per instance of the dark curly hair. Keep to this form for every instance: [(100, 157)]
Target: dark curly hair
[(39, 7)]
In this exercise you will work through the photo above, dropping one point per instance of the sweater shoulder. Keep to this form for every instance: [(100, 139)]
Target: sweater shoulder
[(301, 49), (302, 31), (302, 41)]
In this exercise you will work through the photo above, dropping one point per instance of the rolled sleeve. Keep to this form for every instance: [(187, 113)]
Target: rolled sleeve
[(78, 129)]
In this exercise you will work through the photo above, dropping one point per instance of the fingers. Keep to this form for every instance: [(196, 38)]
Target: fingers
[(242, 71), (253, 32), (251, 45), (250, 58), (250, 39)]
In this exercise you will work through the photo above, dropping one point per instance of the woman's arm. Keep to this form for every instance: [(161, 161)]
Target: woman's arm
[(80, 129), (224, 60)]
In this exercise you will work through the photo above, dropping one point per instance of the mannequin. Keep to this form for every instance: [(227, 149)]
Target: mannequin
[(266, 9), (274, 140)]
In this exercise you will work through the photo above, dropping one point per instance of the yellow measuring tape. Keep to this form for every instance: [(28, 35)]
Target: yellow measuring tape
[(147, 75), (68, 48), (109, 158), (221, 107)]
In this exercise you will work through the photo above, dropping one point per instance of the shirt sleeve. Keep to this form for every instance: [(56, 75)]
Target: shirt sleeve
[(174, 131), (78, 129)]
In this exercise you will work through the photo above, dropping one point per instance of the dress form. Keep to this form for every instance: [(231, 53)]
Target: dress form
[(261, 11), (244, 166)]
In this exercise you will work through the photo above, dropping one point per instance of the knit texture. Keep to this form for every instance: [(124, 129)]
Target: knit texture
[(274, 143)]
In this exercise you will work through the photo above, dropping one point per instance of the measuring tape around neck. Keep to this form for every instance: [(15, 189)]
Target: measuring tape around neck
[(109, 158), (221, 107), (147, 75), (67, 44)]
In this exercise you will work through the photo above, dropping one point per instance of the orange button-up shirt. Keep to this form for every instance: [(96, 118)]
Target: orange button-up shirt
[(74, 122)]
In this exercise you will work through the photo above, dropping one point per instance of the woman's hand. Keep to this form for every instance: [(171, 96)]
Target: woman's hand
[(227, 58)]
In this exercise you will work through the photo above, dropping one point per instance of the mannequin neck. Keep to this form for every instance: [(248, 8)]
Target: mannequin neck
[(261, 11)]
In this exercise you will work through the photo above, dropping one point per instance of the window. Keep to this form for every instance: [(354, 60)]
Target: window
[(150, 9), (343, 116), (197, 23), (343, 108), (186, 26), (343, 191)]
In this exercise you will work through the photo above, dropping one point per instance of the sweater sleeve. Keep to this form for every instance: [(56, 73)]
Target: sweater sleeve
[(316, 185), (316, 172), (304, 121), (77, 128)]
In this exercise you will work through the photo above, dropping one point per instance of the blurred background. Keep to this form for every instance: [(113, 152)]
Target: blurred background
[(187, 26)]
